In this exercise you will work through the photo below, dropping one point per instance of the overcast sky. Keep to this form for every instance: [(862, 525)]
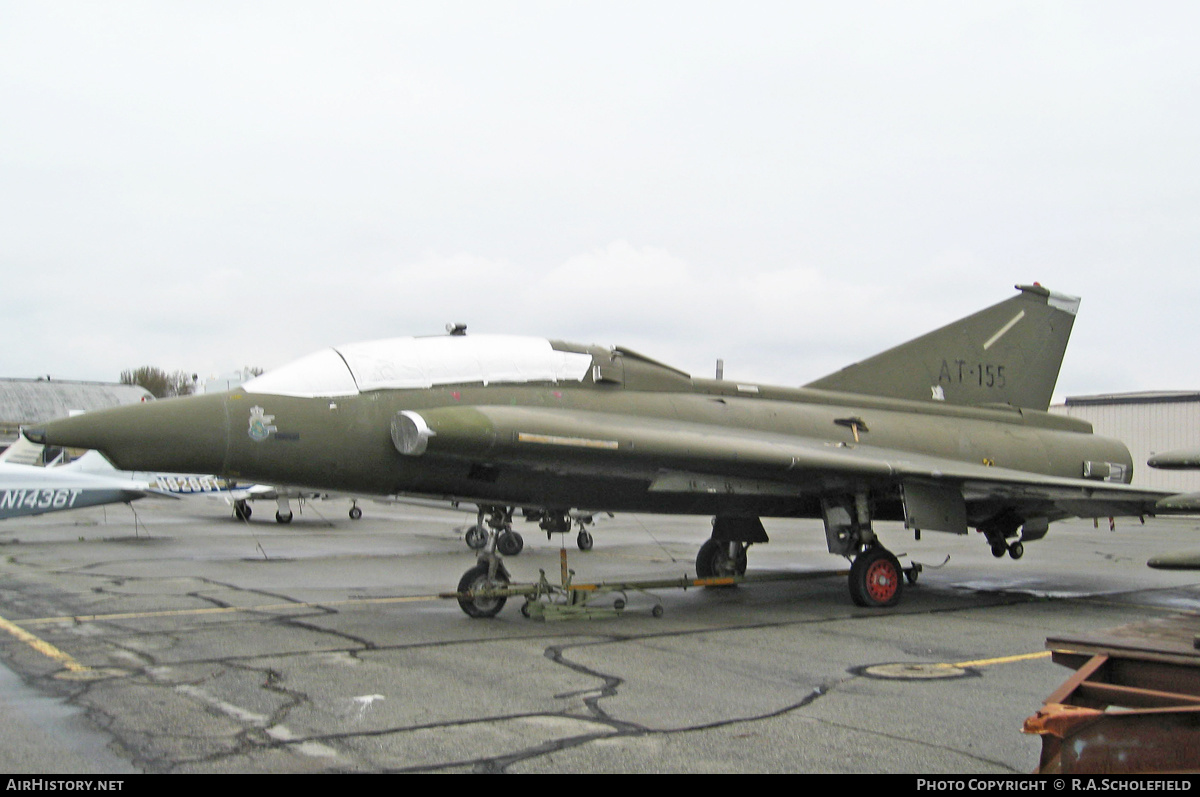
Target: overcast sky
[(790, 186)]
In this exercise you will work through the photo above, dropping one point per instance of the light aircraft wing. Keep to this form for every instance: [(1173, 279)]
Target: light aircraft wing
[(30, 490)]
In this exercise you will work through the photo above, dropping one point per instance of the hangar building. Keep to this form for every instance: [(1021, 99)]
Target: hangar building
[(1148, 423), (28, 401)]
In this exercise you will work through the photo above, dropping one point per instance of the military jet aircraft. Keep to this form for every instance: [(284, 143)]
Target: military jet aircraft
[(946, 432)]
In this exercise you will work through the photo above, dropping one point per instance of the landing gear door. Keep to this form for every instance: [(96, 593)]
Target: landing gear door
[(934, 507)]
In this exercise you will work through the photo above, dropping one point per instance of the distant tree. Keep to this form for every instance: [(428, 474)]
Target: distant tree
[(160, 383)]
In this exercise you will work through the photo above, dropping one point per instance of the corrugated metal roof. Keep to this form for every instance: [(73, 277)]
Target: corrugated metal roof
[(1146, 397)]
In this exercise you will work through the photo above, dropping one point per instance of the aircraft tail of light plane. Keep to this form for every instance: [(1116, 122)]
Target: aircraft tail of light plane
[(947, 432)]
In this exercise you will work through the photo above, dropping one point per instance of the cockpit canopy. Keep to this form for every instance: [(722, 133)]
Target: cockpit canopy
[(413, 363)]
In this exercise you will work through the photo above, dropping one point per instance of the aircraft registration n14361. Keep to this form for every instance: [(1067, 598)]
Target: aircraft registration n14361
[(947, 432)]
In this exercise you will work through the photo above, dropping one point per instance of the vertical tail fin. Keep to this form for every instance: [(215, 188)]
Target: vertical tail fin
[(1009, 353)]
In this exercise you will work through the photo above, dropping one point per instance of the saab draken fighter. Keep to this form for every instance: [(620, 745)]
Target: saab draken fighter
[(947, 432)]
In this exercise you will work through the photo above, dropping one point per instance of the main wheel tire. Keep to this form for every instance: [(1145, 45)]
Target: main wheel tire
[(714, 561), (241, 510), (477, 579), (1016, 550), (999, 549), (282, 518), (876, 579), (510, 543), (476, 538), (355, 513), (584, 541)]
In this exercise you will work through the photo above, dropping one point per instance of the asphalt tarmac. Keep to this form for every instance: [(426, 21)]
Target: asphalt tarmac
[(187, 641)]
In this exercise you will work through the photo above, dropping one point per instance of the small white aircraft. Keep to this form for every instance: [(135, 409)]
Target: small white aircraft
[(30, 490), (185, 484)]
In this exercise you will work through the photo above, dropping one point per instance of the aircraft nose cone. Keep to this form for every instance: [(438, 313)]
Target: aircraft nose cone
[(182, 435)]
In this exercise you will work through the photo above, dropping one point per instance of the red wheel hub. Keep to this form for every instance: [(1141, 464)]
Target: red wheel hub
[(882, 581)]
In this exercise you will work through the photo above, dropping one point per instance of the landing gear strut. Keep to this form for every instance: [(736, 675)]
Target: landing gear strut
[(478, 586), (876, 577)]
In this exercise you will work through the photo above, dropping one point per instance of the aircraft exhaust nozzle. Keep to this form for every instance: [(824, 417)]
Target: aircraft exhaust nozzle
[(179, 435)]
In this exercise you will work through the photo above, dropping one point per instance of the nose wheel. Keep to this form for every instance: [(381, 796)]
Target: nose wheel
[(477, 588)]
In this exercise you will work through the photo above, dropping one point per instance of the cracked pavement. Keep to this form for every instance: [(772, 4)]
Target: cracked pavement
[(204, 644)]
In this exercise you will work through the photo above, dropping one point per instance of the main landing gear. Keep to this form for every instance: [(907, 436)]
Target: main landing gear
[(718, 558), (876, 578), (724, 555), (283, 511)]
